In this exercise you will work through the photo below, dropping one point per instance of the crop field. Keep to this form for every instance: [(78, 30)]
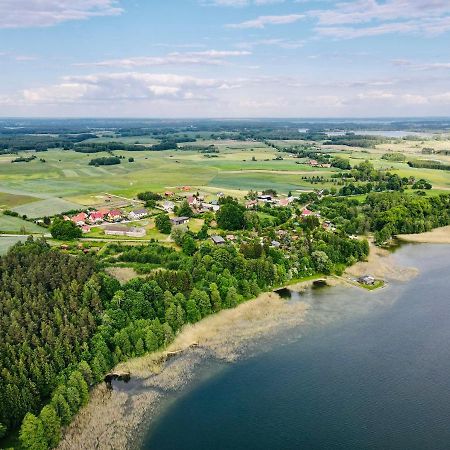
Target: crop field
[(8, 201), (16, 224), (66, 181)]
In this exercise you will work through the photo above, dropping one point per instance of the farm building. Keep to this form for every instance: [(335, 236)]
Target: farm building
[(123, 230)]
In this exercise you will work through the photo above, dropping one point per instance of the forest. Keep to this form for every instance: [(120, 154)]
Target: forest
[(386, 214)]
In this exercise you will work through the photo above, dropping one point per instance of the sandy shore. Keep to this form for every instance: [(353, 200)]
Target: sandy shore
[(112, 419), (436, 236), (382, 265)]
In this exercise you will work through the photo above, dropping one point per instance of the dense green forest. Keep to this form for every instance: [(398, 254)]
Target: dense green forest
[(387, 214), (48, 311)]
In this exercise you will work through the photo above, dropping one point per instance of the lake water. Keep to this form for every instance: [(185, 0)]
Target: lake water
[(369, 370), (386, 133)]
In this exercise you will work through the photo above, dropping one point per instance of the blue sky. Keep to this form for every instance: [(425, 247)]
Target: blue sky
[(224, 58)]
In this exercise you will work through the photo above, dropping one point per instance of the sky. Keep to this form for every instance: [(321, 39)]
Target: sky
[(224, 58)]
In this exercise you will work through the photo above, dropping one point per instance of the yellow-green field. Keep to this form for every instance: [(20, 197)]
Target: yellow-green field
[(66, 181)]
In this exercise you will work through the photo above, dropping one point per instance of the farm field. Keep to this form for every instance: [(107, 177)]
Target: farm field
[(66, 181), (15, 224)]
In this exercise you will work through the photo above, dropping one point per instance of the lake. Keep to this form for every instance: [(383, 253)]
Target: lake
[(369, 370)]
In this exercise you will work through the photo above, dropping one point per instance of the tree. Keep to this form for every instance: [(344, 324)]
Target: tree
[(189, 247), (2, 430), (192, 312), (65, 230), (216, 301), (62, 408), (32, 434), (232, 298), (163, 223), (130, 159), (51, 424), (185, 210), (231, 216)]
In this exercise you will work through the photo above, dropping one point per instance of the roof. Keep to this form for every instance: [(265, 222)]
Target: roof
[(218, 239), (179, 219), (138, 212), (97, 215), (115, 212), (306, 212)]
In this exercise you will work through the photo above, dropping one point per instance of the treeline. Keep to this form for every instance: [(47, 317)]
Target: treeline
[(428, 164), (355, 140), (23, 142), (387, 214), (97, 147), (105, 161)]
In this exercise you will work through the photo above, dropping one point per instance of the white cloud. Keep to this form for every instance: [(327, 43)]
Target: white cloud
[(281, 43), (207, 57), (362, 18), (240, 3), (119, 87), (262, 21), (44, 13)]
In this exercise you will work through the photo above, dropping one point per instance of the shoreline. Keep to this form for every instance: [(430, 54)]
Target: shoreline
[(116, 419), (437, 236)]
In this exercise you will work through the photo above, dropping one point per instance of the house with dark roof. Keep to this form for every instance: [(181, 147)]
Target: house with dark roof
[(179, 220), (218, 240)]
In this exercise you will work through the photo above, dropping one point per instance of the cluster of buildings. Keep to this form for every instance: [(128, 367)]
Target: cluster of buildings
[(85, 220), (264, 198)]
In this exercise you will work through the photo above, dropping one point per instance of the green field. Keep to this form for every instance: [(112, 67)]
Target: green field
[(9, 224), (66, 181)]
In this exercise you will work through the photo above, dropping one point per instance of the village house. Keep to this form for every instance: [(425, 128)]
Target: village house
[(326, 165), (85, 228), (80, 219), (192, 201), (115, 215), (313, 163), (251, 204), (275, 244), (179, 220), (168, 206), (210, 207), (230, 237), (218, 240), (97, 216), (306, 212), (169, 194), (138, 214)]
